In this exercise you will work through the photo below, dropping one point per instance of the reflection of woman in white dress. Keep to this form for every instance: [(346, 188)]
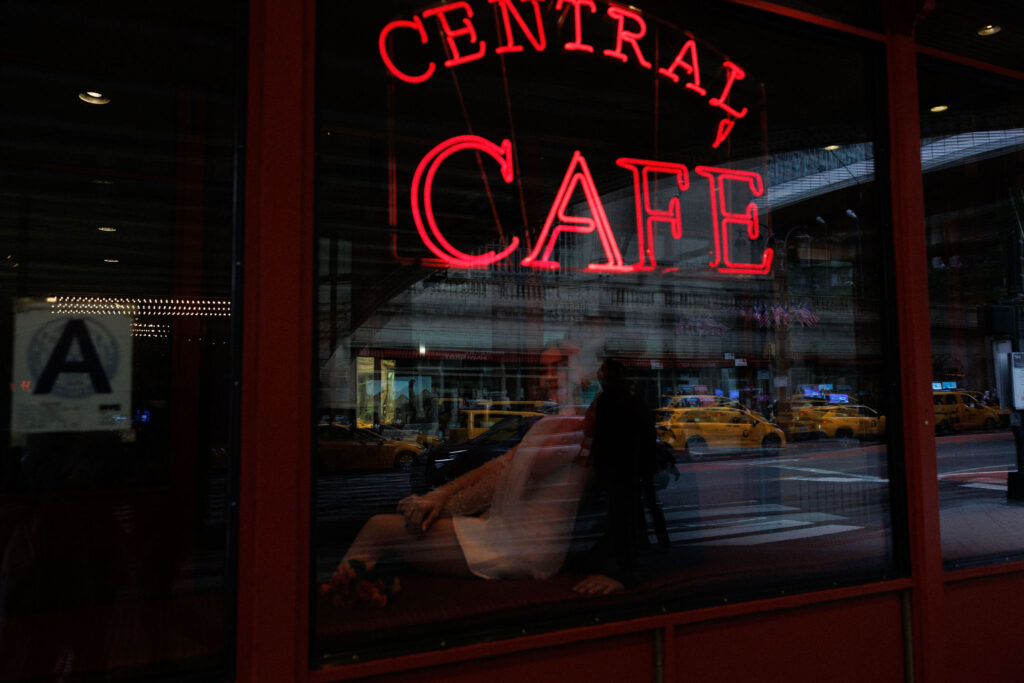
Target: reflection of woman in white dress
[(510, 518)]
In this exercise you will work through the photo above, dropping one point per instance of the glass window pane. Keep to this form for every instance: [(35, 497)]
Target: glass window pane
[(986, 30), (865, 14), (682, 270), (971, 153), (116, 209)]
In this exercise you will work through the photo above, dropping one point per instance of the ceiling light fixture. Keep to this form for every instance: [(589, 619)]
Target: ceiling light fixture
[(989, 30), (93, 97), (107, 228), (939, 108), (831, 148), (111, 260)]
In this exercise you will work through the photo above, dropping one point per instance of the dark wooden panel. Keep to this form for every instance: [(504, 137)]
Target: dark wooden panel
[(852, 641)]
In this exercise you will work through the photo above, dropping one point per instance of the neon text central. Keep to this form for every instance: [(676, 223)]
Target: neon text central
[(728, 225), (521, 23)]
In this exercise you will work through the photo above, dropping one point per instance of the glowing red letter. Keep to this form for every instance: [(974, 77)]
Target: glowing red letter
[(451, 34), (642, 168), (577, 174), (578, 44), (690, 66), (723, 218), (624, 36), (509, 10), (735, 73), (416, 24), (425, 176)]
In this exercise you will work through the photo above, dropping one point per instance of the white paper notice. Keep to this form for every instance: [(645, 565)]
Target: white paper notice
[(71, 373)]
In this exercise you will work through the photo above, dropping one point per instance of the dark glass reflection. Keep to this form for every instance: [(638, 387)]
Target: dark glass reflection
[(455, 356), (971, 147)]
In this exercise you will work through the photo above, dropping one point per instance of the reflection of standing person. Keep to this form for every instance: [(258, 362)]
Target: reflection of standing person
[(622, 449)]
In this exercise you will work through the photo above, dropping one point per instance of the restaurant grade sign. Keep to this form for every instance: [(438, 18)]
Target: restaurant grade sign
[(398, 42)]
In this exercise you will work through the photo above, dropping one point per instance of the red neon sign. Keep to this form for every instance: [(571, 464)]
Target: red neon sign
[(417, 25), (687, 59), (577, 44), (424, 178), (578, 173), (672, 216), (624, 36), (509, 10), (450, 34), (722, 218), (559, 221), (462, 45)]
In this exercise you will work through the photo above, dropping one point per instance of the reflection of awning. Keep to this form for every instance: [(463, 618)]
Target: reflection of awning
[(492, 356), (936, 154)]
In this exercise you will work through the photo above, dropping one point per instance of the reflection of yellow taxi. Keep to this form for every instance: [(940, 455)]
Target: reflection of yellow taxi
[(799, 417), (956, 411), (421, 433), (1003, 413), (342, 448), (474, 422), (850, 422), (701, 401), (701, 429)]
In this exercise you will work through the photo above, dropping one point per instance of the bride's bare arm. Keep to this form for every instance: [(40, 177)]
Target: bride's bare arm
[(465, 495)]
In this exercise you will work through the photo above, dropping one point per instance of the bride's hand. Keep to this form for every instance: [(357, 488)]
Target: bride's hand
[(419, 512)]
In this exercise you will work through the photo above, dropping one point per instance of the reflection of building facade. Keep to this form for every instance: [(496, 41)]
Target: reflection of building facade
[(479, 334)]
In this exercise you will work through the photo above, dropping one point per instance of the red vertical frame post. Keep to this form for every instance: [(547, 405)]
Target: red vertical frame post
[(273, 560), (911, 279)]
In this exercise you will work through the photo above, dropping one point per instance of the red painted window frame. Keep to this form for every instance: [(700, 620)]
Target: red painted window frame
[(275, 489)]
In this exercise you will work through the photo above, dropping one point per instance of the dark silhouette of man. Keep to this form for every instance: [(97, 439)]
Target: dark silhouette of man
[(622, 452)]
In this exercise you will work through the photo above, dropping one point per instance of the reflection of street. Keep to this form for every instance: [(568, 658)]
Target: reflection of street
[(823, 488)]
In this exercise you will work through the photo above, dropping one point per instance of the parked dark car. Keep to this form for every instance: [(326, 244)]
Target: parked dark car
[(443, 463)]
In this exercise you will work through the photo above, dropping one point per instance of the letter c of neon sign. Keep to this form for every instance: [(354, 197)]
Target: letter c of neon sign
[(382, 43), (424, 178)]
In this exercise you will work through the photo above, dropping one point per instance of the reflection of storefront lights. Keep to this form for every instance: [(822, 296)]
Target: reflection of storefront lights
[(107, 228), (989, 30), (939, 108), (111, 260), (423, 350), (79, 305), (93, 97)]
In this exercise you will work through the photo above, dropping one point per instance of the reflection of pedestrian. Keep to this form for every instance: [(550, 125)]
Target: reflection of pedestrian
[(622, 452)]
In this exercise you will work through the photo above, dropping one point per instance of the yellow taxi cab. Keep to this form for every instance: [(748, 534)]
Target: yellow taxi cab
[(475, 421), (701, 401), (851, 422), (956, 411), (1003, 413), (699, 430), (343, 448), (799, 417)]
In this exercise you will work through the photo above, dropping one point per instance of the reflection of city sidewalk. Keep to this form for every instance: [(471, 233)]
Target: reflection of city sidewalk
[(982, 529), (992, 477)]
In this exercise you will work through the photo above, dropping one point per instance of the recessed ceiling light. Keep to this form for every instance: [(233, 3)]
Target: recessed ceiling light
[(93, 97), (111, 260), (938, 108), (831, 148), (107, 228), (989, 30)]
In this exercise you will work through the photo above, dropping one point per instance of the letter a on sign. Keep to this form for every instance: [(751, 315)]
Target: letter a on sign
[(71, 373), (558, 221), (60, 361)]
